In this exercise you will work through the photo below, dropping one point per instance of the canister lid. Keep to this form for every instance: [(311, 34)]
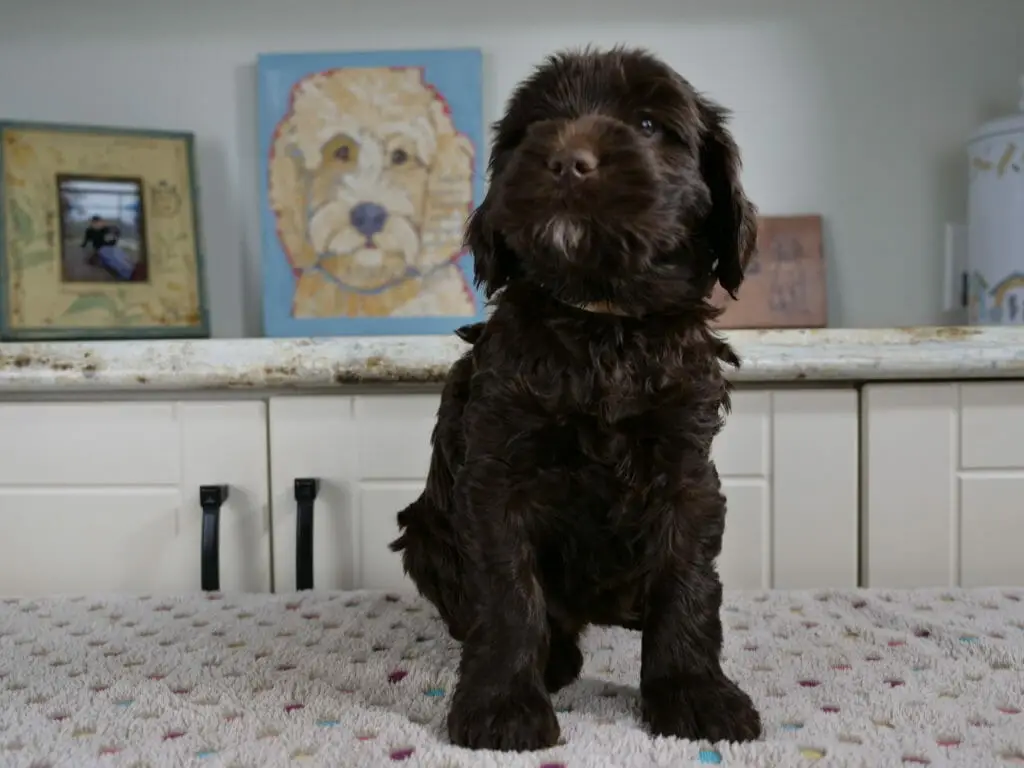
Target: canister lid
[(1008, 124)]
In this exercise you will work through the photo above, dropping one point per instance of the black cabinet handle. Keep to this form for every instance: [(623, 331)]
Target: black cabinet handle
[(306, 490), (211, 498)]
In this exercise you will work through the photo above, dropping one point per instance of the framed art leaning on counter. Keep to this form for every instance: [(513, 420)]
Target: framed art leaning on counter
[(371, 163), (99, 234)]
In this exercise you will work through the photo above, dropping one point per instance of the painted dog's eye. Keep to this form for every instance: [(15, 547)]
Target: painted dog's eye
[(341, 149)]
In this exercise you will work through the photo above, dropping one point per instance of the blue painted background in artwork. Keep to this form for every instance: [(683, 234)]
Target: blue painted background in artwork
[(457, 75)]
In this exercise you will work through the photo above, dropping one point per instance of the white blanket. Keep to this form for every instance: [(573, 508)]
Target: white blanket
[(362, 679)]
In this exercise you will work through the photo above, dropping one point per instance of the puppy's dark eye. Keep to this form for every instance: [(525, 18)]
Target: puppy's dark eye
[(399, 157), (648, 126)]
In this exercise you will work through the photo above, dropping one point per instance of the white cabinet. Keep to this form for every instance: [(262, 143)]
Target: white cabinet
[(787, 458), (919, 484), (943, 484), (104, 496)]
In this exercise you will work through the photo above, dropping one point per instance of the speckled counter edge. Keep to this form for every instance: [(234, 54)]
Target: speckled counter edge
[(286, 364)]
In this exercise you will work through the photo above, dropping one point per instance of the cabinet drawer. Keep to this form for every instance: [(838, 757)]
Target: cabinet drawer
[(89, 444), (991, 426), (393, 435), (741, 448)]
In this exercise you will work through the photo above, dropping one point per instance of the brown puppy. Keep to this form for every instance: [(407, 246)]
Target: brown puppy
[(571, 481)]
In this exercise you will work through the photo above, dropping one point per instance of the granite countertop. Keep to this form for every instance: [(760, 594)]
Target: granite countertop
[(827, 355)]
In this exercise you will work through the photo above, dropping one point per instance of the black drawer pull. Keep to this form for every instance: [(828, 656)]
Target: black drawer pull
[(306, 490), (211, 498)]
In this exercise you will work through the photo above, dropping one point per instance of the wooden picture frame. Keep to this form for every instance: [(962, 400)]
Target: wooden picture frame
[(784, 284), (99, 234)]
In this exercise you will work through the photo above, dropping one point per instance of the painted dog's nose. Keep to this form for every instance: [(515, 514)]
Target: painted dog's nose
[(368, 218)]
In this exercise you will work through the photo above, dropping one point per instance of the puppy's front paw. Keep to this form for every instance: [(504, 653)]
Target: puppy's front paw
[(522, 721), (712, 709)]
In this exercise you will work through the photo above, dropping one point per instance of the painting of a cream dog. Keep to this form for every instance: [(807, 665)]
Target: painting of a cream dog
[(371, 169)]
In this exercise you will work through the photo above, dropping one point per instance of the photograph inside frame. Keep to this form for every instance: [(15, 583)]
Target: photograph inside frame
[(103, 237)]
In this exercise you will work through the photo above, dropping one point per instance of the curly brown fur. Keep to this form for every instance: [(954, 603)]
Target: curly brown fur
[(571, 481)]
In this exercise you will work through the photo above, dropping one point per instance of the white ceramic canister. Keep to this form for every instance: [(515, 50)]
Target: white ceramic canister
[(995, 222)]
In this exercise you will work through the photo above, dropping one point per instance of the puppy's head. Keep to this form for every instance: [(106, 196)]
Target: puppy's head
[(612, 179)]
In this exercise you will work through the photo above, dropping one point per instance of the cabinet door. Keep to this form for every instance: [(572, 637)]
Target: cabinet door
[(370, 454), (815, 488), (311, 437), (944, 479), (104, 497), (787, 462)]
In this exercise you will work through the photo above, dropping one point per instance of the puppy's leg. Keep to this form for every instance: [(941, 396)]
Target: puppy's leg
[(565, 661), (429, 546), (500, 701), (684, 691), (431, 559)]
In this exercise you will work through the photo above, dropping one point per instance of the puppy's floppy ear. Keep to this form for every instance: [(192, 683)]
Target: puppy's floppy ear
[(730, 227), (494, 263)]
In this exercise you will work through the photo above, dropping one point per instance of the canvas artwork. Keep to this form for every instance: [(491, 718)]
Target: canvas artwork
[(784, 286), (371, 164), (99, 234)]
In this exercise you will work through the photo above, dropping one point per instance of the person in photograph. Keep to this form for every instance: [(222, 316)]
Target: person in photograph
[(101, 238), (93, 237)]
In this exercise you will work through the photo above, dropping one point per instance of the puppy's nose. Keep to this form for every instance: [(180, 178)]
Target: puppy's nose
[(368, 218), (575, 163)]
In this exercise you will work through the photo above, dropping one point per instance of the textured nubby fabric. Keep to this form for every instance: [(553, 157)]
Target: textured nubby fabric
[(858, 678)]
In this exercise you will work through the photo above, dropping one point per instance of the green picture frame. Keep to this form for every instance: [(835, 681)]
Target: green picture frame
[(100, 234)]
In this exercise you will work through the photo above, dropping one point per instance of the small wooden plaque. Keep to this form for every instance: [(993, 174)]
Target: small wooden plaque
[(784, 285)]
